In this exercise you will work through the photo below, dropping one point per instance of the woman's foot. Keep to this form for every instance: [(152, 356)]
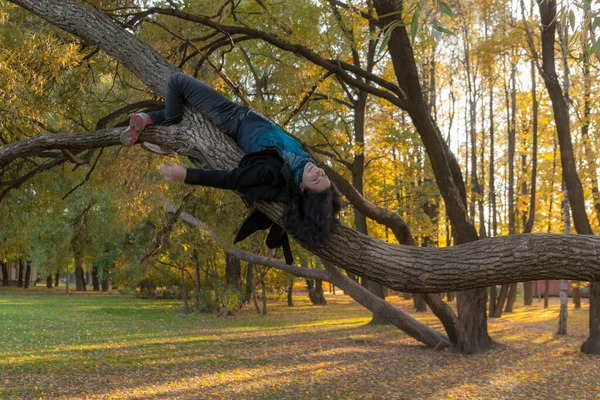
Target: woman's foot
[(137, 123), (154, 148)]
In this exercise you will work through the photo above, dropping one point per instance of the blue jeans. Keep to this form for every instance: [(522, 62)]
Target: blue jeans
[(182, 89)]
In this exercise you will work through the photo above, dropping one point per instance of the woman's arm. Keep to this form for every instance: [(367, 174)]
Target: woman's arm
[(237, 178)]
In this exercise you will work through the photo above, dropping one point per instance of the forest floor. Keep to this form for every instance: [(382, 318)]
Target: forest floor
[(115, 347)]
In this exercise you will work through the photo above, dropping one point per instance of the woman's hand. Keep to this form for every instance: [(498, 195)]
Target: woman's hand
[(270, 254), (173, 172)]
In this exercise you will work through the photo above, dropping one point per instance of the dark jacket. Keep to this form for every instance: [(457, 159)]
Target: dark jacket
[(262, 175)]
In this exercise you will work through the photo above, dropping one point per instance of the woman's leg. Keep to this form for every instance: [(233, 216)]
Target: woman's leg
[(182, 89)]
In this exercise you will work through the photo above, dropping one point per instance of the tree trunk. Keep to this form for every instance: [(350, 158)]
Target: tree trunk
[(4, 274), (49, 281), (290, 290), (105, 283), (27, 275), (254, 300), (546, 292), (471, 305), (512, 296), (20, 276), (493, 301), (562, 316), (233, 272), (592, 345), (419, 303), (527, 286), (358, 170), (249, 282), (501, 300), (561, 119), (184, 293), (576, 294), (95, 280), (264, 295), (315, 292), (56, 278)]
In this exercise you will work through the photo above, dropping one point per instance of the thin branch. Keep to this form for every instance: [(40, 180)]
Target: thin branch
[(87, 176)]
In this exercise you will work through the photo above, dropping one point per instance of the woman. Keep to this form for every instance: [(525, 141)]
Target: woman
[(275, 168)]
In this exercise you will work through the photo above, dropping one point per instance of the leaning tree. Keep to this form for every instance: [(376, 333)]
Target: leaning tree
[(471, 266)]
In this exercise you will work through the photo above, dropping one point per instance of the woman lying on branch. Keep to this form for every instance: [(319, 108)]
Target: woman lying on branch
[(275, 168)]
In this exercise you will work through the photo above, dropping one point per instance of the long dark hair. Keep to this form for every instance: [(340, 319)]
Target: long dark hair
[(311, 216)]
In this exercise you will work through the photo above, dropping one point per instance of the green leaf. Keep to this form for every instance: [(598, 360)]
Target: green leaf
[(445, 8), (572, 19), (595, 49), (440, 28), (414, 23)]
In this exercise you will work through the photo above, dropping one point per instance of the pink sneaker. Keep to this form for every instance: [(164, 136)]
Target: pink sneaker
[(137, 123), (154, 148)]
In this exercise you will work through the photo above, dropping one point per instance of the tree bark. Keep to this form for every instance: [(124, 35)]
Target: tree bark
[(20, 276), (233, 272), (290, 292), (512, 296), (592, 346), (95, 280), (499, 307), (49, 281), (576, 294), (56, 278), (4, 274), (27, 275)]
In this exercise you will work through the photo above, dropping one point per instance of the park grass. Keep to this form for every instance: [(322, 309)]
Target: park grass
[(115, 347)]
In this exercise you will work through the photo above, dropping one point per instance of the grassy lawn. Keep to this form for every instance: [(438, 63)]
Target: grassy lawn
[(113, 347)]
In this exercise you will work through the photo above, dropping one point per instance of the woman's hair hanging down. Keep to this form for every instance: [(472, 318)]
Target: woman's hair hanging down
[(311, 216)]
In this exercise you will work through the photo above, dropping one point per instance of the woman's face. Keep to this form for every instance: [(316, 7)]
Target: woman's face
[(314, 178)]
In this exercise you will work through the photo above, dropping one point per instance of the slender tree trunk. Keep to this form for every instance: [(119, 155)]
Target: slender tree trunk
[(290, 291), (546, 292), (197, 283), (95, 279), (562, 316), (419, 303), (4, 274), (184, 293), (512, 296), (264, 295), (27, 275), (493, 300), (249, 282), (49, 281), (20, 276), (501, 300), (576, 294), (56, 278), (254, 299), (233, 271), (591, 346), (527, 286)]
